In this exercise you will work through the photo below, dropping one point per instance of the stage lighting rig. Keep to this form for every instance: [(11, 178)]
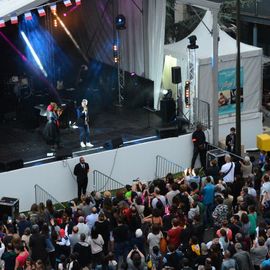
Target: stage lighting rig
[(120, 22), (192, 43)]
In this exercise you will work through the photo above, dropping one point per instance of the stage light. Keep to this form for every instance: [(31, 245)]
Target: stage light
[(132, 74), (115, 59), (168, 94), (65, 14), (192, 43), (71, 37), (164, 91), (120, 22), (187, 94), (34, 53), (55, 24)]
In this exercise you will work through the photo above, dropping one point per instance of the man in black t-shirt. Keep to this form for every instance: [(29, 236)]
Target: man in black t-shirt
[(198, 139)]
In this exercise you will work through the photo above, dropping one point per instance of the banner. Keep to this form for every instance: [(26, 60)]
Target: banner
[(227, 90)]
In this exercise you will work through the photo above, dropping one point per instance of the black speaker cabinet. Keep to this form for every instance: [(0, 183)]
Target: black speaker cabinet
[(113, 143), (11, 165), (176, 75), (9, 207), (167, 110), (217, 154), (168, 132)]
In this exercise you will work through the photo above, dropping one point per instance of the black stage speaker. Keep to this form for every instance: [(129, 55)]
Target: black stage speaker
[(9, 207), (168, 110), (113, 143), (217, 154), (63, 153), (176, 75), (11, 165), (168, 132)]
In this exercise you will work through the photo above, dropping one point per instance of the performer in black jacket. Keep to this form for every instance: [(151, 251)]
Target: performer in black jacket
[(230, 140), (81, 171), (83, 124), (198, 139)]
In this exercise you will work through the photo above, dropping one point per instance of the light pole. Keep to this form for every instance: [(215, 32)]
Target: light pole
[(238, 83)]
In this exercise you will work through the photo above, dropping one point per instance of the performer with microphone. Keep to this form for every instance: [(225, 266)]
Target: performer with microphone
[(83, 124)]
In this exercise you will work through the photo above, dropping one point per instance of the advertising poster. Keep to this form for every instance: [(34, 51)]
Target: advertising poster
[(227, 90)]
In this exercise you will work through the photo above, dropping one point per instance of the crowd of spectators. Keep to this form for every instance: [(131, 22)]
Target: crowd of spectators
[(219, 221)]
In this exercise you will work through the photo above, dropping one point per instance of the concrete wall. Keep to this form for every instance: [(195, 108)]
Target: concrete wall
[(130, 162)]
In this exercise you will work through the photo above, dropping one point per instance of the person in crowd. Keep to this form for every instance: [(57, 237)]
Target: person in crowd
[(246, 168), (227, 171), (136, 260), (208, 201), (22, 255), (83, 124), (81, 171), (82, 227), (96, 242), (228, 262), (258, 252), (9, 257), (84, 251), (199, 140), (37, 245)]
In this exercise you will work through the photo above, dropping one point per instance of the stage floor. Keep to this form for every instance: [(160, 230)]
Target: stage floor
[(17, 142)]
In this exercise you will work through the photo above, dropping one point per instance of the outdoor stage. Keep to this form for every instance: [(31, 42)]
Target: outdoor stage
[(132, 124)]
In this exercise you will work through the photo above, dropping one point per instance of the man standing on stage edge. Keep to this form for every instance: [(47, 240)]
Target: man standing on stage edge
[(198, 139), (81, 171), (83, 124)]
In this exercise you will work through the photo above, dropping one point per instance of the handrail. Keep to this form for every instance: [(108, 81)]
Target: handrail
[(103, 182), (165, 166), (41, 195)]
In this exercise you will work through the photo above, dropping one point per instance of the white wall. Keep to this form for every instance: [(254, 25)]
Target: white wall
[(130, 162)]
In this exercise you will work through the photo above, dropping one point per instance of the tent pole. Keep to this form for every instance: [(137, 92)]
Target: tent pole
[(238, 83), (215, 117)]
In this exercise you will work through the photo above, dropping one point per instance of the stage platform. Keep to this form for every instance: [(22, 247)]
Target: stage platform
[(132, 125)]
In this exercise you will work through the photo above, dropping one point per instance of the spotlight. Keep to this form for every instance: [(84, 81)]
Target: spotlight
[(55, 24), (192, 43), (168, 95), (164, 91), (120, 22), (132, 74), (65, 14)]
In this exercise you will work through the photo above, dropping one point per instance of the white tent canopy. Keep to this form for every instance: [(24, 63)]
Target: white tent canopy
[(251, 60), (251, 65)]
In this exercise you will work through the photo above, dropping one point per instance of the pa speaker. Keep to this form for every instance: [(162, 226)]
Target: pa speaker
[(168, 132), (113, 143), (167, 110), (11, 165), (176, 75), (9, 207)]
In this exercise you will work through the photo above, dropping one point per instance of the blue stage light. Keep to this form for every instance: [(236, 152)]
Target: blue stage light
[(120, 22)]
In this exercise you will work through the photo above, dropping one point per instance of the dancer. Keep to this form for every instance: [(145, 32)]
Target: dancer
[(51, 131), (83, 124)]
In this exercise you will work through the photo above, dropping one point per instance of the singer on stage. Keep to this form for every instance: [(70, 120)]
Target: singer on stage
[(83, 124)]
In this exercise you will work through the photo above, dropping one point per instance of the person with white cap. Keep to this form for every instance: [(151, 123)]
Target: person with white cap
[(83, 124), (246, 167)]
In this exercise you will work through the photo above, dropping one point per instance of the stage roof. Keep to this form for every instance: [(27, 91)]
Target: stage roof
[(8, 7)]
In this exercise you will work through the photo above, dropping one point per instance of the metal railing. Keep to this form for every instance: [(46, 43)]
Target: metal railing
[(235, 157), (103, 182), (201, 112), (164, 166), (41, 195)]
